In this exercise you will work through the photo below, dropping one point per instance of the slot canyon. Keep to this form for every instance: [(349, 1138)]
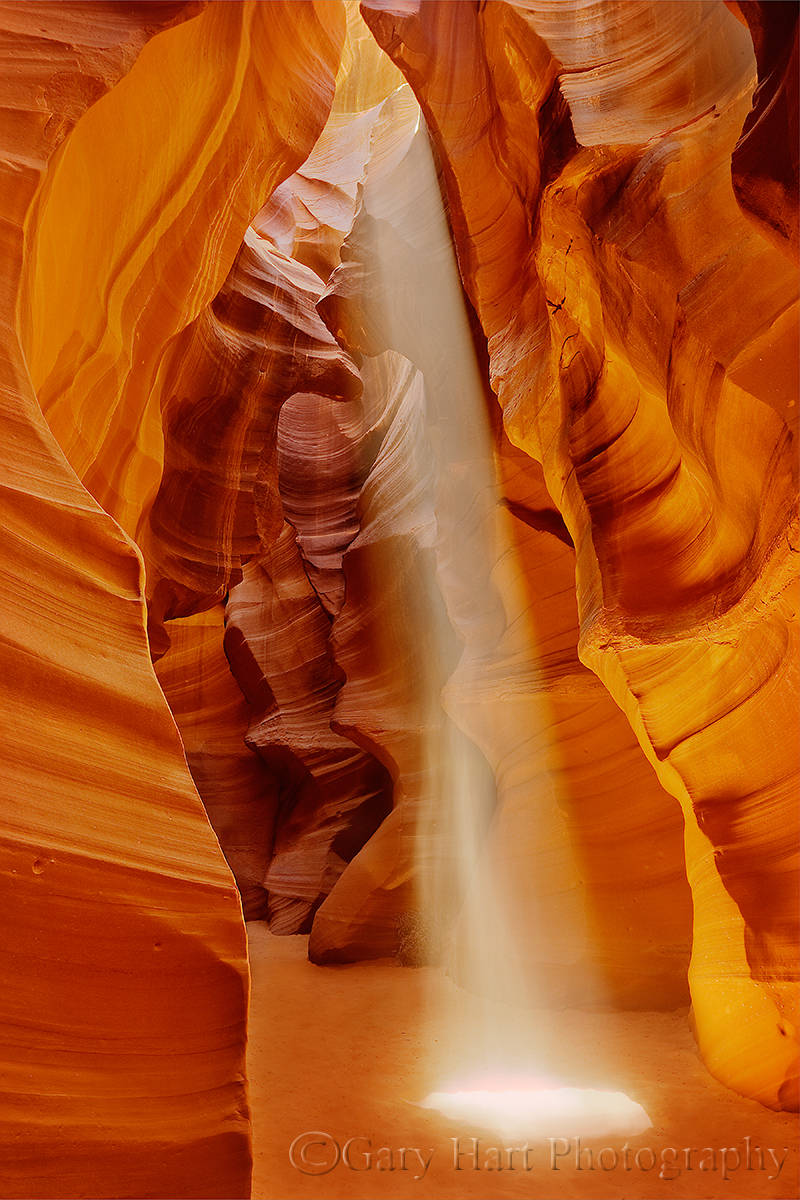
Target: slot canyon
[(399, 651)]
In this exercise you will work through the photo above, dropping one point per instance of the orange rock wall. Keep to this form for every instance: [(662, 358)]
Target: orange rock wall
[(215, 431), (240, 795), (127, 182), (188, 171)]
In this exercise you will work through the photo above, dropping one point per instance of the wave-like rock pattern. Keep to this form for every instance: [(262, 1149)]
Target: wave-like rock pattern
[(332, 795), (223, 254), (240, 794), (127, 288), (259, 342), (137, 142), (125, 997)]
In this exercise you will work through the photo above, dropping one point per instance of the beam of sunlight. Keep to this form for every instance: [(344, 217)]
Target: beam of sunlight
[(500, 896)]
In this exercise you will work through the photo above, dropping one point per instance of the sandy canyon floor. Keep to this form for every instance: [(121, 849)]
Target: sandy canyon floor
[(340, 1054)]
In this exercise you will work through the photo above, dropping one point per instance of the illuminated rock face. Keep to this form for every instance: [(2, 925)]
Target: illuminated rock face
[(125, 990), (205, 209)]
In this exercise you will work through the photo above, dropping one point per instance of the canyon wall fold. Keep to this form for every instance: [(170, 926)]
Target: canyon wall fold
[(127, 182), (399, 411)]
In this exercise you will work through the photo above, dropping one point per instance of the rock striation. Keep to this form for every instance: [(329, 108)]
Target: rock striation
[(124, 204), (399, 418)]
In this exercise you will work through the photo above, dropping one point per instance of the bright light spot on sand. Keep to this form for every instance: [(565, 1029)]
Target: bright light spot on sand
[(540, 1108)]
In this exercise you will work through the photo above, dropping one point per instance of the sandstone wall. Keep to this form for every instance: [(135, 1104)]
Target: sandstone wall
[(127, 183), (230, 445)]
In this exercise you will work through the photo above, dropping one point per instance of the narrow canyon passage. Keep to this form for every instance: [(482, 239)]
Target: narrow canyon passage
[(399, 585)]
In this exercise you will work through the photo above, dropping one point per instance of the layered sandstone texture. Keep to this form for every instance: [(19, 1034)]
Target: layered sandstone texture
[(268, 270), (138, 140)]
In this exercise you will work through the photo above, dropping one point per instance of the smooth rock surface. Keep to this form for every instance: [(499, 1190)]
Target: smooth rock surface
[(428, 415), (127, 182)]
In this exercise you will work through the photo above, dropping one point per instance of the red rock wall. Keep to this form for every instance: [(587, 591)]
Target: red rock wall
[(204, 387), (127, 182), (764, 163)]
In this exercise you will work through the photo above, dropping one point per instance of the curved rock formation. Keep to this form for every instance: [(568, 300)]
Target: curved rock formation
[(125, 999), (200, 170), (259, 342), (240, 795), (333, 795), (248, 413)]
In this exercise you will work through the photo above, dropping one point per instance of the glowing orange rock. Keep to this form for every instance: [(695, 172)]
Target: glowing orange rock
[(211, 375), (101, 308), (125, 993), (234, 460)]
